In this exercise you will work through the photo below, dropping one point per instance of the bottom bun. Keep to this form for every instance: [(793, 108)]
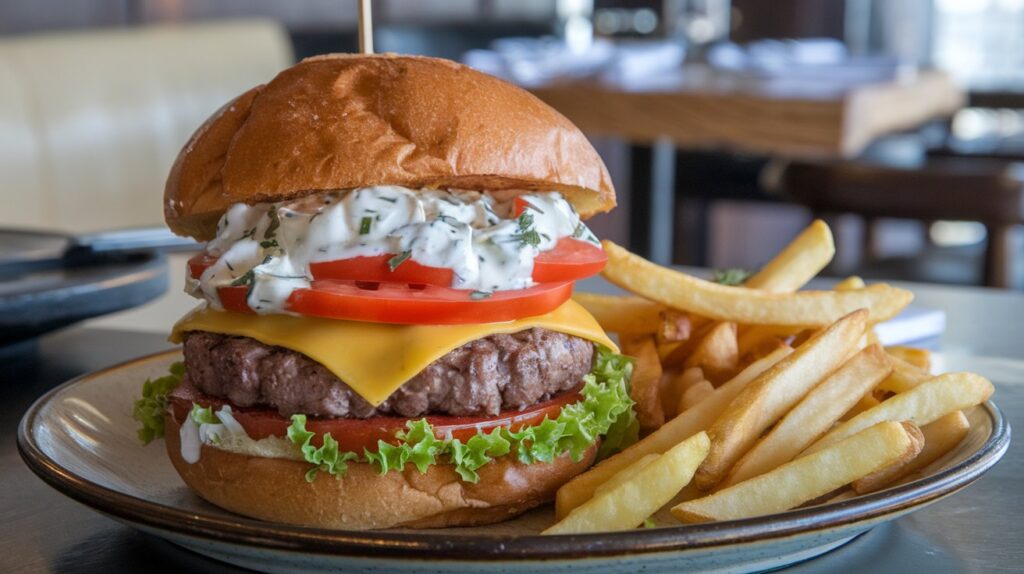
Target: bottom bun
[(275, 489)]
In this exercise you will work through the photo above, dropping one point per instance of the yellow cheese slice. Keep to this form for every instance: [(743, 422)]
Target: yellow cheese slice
[(376, 358)]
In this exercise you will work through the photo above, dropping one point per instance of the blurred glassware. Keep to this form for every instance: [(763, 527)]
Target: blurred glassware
[(535, 61), (698, 23), (575, 26)]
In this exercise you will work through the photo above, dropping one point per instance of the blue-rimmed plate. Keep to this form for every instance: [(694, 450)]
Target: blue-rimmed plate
[(80, 438)]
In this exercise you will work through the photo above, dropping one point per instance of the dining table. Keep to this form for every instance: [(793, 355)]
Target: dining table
[(977, 530), (826, 111)]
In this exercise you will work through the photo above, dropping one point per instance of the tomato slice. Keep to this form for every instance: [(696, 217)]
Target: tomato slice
[(357, 434), (411, 305), (570, 260), (430, 305), (376, 268), (198, 263)]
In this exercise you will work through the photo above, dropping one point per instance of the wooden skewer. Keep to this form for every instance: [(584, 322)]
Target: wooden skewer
[(365, 27)]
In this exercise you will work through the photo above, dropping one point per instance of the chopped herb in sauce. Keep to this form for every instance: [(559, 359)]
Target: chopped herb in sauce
[(364, 225), (399, 259)]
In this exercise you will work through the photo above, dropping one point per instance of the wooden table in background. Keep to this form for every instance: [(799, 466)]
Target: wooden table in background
[(831, 114)]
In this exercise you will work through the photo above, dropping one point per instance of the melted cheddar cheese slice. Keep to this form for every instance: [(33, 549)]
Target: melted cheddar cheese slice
[(376, 358)]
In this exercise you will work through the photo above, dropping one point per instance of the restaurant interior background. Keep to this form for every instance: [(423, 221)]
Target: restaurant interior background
[(726, 125)]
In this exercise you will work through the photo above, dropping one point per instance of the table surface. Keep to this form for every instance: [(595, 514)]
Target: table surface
[(977, 530), (826, 113)]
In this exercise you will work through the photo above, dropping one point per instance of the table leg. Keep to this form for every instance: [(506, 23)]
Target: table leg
[(652, 200)]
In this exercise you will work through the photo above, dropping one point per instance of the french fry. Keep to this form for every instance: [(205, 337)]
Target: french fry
[(627, 504), (644, 386), (813, 416), (920, 358), (798, 262), (866, 402), (742, 305), (673, 327), (673, 389), (622, 314), (753, 337), (904, 376), (805, 478), (878, 479), (695, 394), (582, 487), (921, 405), (716, 353), (625, 474), (771, 395), (851, 283), (940, 437)]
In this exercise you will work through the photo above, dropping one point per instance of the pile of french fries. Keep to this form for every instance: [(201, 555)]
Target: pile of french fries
[(760, 398)]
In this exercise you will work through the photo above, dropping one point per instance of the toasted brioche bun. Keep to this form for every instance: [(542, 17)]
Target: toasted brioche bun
[(275, 489), (345, 121)]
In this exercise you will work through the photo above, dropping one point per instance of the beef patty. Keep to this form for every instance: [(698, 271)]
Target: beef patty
[(482, 377)]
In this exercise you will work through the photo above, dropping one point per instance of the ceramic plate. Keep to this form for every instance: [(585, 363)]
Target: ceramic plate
[(80, 438)]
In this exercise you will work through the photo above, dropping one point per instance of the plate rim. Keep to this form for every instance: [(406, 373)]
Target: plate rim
[(469, 548)]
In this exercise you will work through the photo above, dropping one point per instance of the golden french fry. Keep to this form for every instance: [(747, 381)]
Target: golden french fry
[(904, 376), (866, 402), (644, 386), (742, 305), (673, 389), (813, 416), (878, 479), (772, 394), (622, 314), (582, 487), (752, 338), (695, 394), (920, 358), (798, 262), (629, 503), (802, 337), (673, 326), (921, 405), (716, 353), (803, 479), (851, 283), (940, 437), (625, 474)]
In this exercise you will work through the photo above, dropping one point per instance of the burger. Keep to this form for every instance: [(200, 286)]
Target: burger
[(386, 335)]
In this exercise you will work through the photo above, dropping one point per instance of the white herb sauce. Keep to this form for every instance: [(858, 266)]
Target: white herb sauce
[(269, 247)]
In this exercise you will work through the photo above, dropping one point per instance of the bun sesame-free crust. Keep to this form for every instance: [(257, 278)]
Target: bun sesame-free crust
[(346, 121), (275, 489)]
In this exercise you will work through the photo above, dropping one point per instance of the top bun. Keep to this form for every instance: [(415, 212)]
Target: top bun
[(345, 121)]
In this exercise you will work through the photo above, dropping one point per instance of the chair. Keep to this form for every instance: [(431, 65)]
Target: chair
[(987, 191)]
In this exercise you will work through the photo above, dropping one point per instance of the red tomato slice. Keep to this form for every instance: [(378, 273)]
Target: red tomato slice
[(357, 434), (411, 305), (570, 260), (376, 268), (390, 303), (519, 205)]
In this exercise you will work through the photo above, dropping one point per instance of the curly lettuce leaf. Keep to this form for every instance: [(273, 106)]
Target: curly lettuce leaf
[(203, 415), (417, 444), (149, 410), (481, 449), (326, 457)]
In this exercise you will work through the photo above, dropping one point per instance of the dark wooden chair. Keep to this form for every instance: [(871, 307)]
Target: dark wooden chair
[(987, 191)]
